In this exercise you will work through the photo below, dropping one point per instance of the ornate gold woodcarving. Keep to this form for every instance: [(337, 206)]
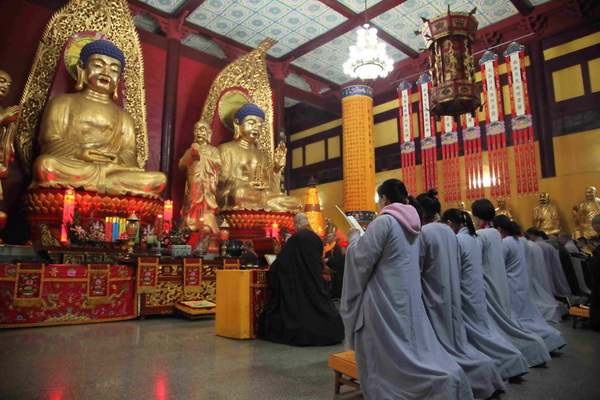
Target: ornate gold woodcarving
[(250, 73), (108, 17), (168, 293), (47, 238), (170, 270)]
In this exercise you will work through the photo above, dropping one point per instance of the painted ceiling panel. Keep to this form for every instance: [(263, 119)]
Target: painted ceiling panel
[(204, 44), (167, 6), (358, 6), (294, 23)]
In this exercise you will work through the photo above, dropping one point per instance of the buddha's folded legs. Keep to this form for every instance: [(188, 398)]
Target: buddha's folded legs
[(52, 171)]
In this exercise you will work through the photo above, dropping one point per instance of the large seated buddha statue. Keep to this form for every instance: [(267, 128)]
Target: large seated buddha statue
[(249, 180), (86, 140)]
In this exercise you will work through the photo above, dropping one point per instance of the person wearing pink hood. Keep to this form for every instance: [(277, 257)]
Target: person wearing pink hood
[(397, 353)]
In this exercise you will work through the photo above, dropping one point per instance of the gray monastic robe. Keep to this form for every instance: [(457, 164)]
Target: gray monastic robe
[(573, 249), (543, 300), (481, 332), (520, 300), (496, 293), (558, 280), (440, 279), (397, 353)]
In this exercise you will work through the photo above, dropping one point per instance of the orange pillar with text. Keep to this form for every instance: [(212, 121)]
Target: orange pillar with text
[(359, 152)]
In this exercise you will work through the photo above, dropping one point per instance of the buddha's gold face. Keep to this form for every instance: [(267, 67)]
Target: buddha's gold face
[(590, 193), (103, 73), (544, 198), (5, 83), (250, 128)]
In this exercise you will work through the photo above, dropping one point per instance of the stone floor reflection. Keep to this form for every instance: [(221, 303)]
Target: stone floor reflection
[(173, 358)]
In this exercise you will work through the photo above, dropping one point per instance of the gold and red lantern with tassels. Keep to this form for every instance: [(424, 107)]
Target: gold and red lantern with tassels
[(449, 39)]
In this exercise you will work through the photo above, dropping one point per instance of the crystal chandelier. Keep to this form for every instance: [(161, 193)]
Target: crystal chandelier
[(368, 59)]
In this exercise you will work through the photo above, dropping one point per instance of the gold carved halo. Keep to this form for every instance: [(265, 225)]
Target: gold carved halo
[(229, 103), (73, 49)]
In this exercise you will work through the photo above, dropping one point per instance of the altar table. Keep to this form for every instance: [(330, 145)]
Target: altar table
[(37, 294)]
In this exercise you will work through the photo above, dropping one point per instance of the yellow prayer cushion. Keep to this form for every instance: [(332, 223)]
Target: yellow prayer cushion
[(196, 307)]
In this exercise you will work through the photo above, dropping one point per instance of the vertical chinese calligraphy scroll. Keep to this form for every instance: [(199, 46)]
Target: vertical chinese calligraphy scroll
[(359, 149)]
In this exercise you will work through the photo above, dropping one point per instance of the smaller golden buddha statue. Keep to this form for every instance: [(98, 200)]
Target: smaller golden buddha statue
[(7, 117), (545, 216), (584, 212), (504, 208), (202, 162), (87, 141), (248, 179), (462, 207)]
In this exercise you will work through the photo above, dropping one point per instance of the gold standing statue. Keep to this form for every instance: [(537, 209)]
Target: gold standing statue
[(202, 162), (504, 208), (7, 117), (249, 180), (584, 212), (545, 216), (87, 141)]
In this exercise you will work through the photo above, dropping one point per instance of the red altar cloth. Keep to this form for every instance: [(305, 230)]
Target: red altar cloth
[(57, 294)]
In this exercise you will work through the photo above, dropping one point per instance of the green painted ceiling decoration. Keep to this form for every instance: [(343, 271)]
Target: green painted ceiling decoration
[(314, 34)]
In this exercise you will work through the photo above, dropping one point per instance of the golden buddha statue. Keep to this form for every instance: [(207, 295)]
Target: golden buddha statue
[(504, 208), (462, 207), (86, 140), (248, 179), (584, 212), (7, 117), (545, 216), (202, 162)]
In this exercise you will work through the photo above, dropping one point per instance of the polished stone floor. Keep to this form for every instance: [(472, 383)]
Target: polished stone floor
[(173, 358)]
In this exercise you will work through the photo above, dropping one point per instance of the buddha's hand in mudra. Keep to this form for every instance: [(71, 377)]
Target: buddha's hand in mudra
[(258, 185), (96, 156), (279, 156)]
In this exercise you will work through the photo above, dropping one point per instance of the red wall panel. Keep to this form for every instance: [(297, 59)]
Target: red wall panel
[(155, 61)]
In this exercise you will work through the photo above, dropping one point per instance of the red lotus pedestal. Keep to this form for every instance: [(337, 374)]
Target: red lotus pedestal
[(45, 211), (247, 224)]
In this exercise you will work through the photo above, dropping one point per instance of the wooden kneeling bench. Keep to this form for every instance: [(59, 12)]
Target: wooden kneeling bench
[(344, 366), (577, 313)]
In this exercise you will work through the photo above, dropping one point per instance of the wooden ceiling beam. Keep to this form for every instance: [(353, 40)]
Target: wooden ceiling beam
[(189, 6), (149, 9), (300, 71), (338, 7), (318, 101), (522, 6)]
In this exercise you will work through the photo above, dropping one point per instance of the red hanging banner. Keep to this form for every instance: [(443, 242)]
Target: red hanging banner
[(495, 129), (471, 136), (521, 121), (428, 140), (407, 137), (450, 160)]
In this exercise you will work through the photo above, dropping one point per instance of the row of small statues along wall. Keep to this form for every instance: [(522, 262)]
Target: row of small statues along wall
[(548, 216)]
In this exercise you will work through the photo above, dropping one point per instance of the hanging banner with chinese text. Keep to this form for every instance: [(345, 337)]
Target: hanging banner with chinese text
[(495, 129), (471, 135), (428, 140), (521, 121), (450, 160), (407, 137)]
